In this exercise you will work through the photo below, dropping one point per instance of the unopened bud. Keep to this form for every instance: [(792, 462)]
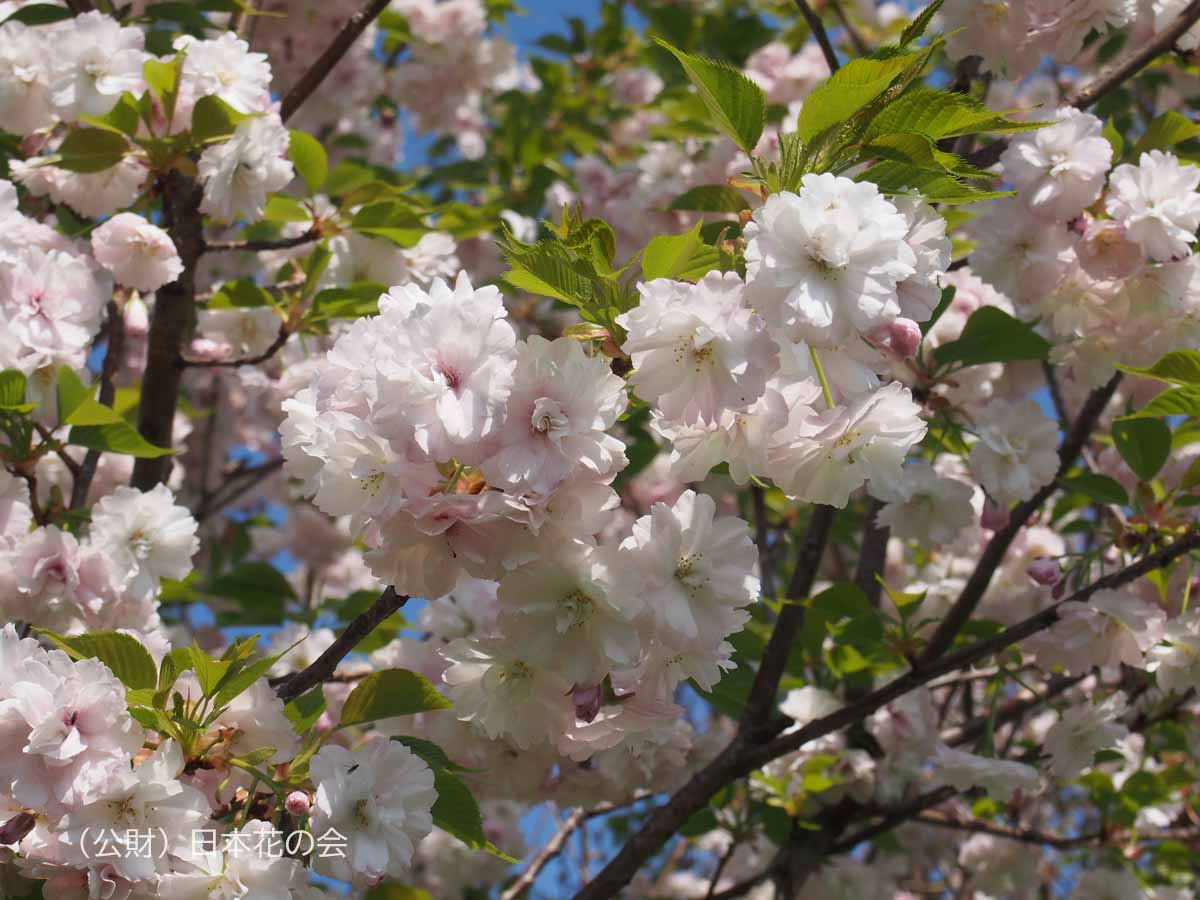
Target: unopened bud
[(587, 701), (899, 338), (1044, 570), (15, 829), (994, 515), (297, 803)]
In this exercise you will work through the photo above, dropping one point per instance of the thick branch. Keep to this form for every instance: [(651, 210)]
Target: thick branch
[(114, 347), (324, 63), (761, 699), (174, 316), (973, 591), (323, 666), (818, 29)]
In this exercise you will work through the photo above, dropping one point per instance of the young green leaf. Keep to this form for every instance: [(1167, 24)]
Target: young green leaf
[(124, 655), (1144, 444), (392, 692), (309, 158), (737, 104), (992, 335)]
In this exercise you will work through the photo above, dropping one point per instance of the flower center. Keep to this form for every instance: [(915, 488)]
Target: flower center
[(548, 416)]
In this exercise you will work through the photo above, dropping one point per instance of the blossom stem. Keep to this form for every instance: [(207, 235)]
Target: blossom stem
[(816, 361)]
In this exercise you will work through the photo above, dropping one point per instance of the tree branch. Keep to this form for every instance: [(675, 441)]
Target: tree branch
[(114, 349), (174, 317), (1108, 80), (553, 847), (323, 666), (761, 699), (276, 345), (324, 63), (817, 27), (285, 243), (993, 554)]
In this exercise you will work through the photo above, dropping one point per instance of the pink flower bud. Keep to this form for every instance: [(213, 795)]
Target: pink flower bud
[(899, 338), (587, 701), (994, 515), (1044, 570), (297, 803), (15, 829)]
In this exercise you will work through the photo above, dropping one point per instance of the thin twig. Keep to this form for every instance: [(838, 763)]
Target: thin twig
[(1056, 398), (762, 539), (324, 64), (114, 350), (236, 486), (553, 848), (817, 27), (1024, 835), (276, 345), (285, 243), (860, 46), (324, 665)]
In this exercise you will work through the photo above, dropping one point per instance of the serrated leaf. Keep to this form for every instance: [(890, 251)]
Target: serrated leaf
[(122, 118), (917, 27), (309, 158), (12, 388), (680, 256), (848, 90), (392, 692), (1144, 444), (992, 335), (391, 220), (737, 104), (91, 150), (942, 114), (711, 198), (124, 655), (1177, 366), (1179, 401), (117, 437)]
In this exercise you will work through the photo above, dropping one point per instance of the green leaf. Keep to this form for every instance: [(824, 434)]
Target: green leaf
[(1166, 131), (163, 80), (736, 103), (849, 89), (39, 14), (1180, 401), (942, 114), (682, 256), (917, 26), (91, 150), (12, 389), (117, 437), (351, 302), (711, 198), (304, 711), (124, 655), (261, 592), (433, 755), (76, 405), (934, 187), (213, 119), (992, 335), (943, 304), (392, 692), (1177, 366), (309, 158), (1115, 139), (281, 208), (1144, 444), (392, 220), (244, 293), (397, 892), (122, 118), (456, 813), (1100, 488)]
